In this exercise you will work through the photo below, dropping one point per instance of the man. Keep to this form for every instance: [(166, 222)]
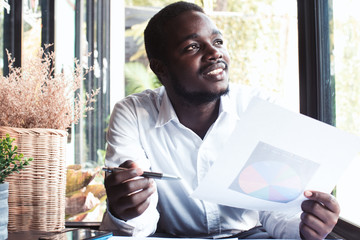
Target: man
[(178, 129)]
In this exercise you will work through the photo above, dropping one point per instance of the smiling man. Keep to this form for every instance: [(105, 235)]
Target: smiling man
[(178, 129)]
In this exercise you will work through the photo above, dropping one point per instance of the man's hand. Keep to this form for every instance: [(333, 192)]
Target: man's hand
[(320, 214), (128, 197)]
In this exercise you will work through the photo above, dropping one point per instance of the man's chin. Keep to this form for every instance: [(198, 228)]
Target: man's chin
[(199, 98)]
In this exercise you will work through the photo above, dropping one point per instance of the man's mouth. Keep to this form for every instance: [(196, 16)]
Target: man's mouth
[(215, 69)]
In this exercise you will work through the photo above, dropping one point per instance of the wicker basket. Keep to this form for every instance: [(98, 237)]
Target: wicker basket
[(37, 193)]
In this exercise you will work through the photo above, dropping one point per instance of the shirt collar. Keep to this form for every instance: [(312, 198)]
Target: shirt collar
[(227, 105), (167, 112)]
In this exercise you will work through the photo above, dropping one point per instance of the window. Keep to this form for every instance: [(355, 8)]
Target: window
[(345, 63), (2, 11), (75, 28), (32, 19), (264, 55), (327, 66), (94, 35), (88, 26)]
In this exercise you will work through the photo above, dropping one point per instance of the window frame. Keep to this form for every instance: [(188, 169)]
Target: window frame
[(317, 86), (346, 230), (97, 14), (12, 34)]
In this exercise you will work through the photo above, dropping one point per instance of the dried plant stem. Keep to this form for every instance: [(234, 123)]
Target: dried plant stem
[(35, 96)]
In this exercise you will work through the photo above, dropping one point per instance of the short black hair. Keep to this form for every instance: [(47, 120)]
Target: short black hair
[(154, 34)]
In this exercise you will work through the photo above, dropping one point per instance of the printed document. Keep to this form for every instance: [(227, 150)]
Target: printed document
[(272, 156)]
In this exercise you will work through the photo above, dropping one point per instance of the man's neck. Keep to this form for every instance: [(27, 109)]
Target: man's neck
[(198, 118)]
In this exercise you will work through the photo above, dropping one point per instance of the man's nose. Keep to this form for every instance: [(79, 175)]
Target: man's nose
[(213, 53)]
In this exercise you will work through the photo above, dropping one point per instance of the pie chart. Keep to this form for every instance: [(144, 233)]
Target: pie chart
[(270, 180)]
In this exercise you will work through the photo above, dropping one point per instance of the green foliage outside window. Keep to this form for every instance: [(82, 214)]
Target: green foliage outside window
[(347, 77)]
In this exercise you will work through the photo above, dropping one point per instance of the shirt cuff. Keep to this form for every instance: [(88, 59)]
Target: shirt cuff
[(141, 226), (281, 225), (113, 224)]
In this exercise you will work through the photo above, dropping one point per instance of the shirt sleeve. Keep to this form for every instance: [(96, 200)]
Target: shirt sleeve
[(281, 225), (141, 226), (123, 144)]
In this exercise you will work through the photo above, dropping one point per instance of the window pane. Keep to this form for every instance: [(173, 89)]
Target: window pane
[(86, 23), (346, 68), (265, 53), (31, 28), (2, 12)]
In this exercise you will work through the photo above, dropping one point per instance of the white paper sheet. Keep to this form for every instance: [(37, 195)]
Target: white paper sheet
[(274, 155)]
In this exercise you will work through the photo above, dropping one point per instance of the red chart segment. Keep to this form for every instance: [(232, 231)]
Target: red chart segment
[(270, 180)]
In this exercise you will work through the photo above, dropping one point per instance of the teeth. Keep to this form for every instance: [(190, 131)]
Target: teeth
[(216, 71)]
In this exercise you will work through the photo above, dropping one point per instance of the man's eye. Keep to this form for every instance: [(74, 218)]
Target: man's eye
[(191, 47), (219, 42)]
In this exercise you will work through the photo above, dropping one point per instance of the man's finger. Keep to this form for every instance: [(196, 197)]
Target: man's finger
[(317, 225), (307, 232), (132, 205), (117, 177), (315, 209), (129, 164), (328, 200), (136, 211), (138, 197)]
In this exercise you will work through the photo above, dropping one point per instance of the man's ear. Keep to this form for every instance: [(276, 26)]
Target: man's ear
[(158, 68)]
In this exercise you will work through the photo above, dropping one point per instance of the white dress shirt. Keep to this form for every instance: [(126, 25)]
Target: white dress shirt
[(144, 128)]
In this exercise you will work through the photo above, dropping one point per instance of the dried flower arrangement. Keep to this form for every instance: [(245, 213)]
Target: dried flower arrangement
[(35, 96)]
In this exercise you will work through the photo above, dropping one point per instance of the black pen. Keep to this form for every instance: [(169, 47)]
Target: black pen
[(147, 174)]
